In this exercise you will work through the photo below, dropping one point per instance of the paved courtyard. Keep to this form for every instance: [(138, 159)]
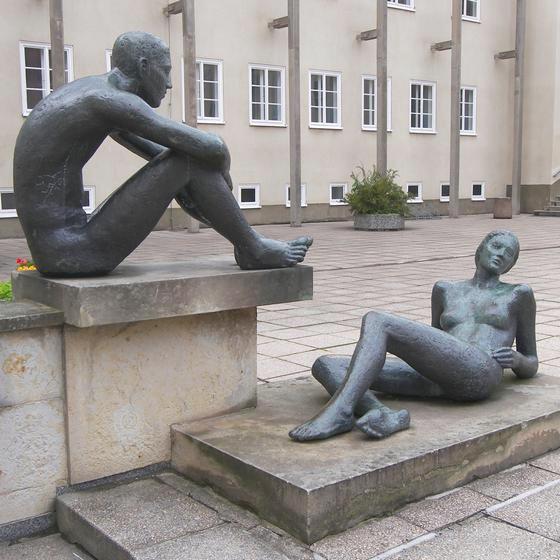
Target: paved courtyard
[(512, 515)]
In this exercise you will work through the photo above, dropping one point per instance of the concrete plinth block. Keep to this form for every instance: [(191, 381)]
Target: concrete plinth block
[(315, 489), (52, 547), (160, 290)]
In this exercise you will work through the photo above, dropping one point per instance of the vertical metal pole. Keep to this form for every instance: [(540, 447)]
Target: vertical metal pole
[(189, 81), (57, 43), (455, 129), (295, 113), (382, 86), (518, 107)]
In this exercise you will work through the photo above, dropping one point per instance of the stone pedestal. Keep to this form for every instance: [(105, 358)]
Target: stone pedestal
[(152, 345), (315, 489)]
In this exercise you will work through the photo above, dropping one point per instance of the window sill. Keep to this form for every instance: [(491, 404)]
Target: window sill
[(399, 7), (209, 121), (373, 129), (421, 131), (446, 199), (415, 201), (8, 214), (471, 19), (326, 126), (477, 199), (468, 133), (335, 203), (249, 207), (303, 206), (269, 124)]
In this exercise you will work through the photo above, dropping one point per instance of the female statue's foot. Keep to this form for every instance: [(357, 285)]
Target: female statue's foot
[(271, 253), (382, 422), (329, 422)]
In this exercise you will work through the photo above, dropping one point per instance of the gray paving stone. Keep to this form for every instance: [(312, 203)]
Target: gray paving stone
[(226, 542), (368, 539), (550, 462), (537, 513), (512, 482), (439, 511), (284, 543), (52, 547), (111, 523), (483, 539), (225, 509)]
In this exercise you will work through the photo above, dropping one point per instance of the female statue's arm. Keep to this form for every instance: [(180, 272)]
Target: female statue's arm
[(523, 361), (437, 304)]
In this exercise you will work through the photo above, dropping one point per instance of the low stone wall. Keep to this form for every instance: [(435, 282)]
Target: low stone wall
[(33, 451)]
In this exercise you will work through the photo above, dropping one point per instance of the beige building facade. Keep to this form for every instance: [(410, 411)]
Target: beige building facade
[(243, 70)]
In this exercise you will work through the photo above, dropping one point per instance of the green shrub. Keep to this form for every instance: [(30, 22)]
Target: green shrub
[(5, 290), (375, 193)]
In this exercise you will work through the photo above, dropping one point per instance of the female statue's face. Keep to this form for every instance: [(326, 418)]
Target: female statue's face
[(498, 254)]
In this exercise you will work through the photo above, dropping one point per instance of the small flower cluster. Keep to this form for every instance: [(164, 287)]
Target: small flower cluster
[(24, 264)]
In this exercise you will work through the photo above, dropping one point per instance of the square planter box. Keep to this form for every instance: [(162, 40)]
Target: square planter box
[(378, 222)]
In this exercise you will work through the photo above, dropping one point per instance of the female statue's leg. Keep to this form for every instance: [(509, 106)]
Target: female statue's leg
[(462, 371)]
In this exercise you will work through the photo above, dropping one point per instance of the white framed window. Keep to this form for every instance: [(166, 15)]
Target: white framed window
[(7, 203), (467, 114), (444, 189), (337, 192), (88, 199), (477, 191), (471, 10), (109, 59), (369, 103), (324, 99), (267, 97), (422, 107), (36, 72), (403, 4), (249, 196), (209, 91), (303, 195), (414, 191)]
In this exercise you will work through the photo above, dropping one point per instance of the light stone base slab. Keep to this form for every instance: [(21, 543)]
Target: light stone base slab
[(324, 487), (127, 383)]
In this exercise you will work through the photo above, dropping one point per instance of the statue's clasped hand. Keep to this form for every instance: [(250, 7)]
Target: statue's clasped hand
[(507, 357)]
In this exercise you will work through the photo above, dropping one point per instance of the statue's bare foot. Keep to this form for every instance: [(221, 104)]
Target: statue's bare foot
[(329, 422), (380, 423), (271, 253)]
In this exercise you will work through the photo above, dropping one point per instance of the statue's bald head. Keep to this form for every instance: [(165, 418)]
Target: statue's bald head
[(131, 46)]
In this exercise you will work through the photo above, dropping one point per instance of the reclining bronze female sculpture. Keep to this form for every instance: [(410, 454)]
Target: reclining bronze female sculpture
[(461, 356)]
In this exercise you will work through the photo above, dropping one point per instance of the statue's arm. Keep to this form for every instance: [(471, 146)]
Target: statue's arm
[(127, 114), (438, 292), (526, 362), (140, 146)]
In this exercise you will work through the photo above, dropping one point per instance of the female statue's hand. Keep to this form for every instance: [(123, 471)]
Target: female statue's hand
[(507, 357)]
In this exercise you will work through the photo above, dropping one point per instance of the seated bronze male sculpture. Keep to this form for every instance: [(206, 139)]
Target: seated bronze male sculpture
[(191, 166), (461, 356)]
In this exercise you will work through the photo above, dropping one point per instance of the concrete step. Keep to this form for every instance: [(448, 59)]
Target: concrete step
[(325, 487), (53, 547), (161, 518), (554, 213)]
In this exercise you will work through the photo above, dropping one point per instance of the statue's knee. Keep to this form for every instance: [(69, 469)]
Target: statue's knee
[(373, 318), (320, 367)]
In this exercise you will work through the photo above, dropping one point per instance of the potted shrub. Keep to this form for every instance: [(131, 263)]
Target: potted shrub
[(377, 202)]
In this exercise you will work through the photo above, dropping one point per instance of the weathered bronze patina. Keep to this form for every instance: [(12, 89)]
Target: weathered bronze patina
[(191, 166), (461, 356)]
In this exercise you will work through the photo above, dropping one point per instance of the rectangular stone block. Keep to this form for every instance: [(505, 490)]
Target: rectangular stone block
[(324, 487), (33, 458), (139, 292), (127, 383), (30, 365)]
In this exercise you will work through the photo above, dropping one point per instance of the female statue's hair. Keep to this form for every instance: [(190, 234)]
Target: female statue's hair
[(493, 234), (133, 45)]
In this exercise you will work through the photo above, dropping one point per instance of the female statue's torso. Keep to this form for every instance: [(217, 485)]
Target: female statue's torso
[(486, 318)]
